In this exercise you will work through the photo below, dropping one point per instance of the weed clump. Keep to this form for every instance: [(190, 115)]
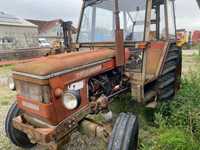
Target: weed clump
[(177, 121), (175, 139), (184, 111)]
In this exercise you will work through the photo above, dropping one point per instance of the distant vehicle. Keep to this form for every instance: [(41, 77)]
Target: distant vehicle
[(43, 42), (182, 38)]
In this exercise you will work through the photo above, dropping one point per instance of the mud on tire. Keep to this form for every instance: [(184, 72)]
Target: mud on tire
[(125, 133)]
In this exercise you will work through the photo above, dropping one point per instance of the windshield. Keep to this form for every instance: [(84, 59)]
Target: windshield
[(132, 19), (98, 22)]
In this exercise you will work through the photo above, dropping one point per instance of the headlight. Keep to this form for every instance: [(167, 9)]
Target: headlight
[(11, 83), (71, 100)]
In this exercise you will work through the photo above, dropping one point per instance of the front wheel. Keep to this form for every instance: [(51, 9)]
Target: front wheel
[(125, 133), (17, 137)]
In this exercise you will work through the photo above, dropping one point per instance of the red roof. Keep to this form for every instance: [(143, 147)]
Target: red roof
[(44, 26)]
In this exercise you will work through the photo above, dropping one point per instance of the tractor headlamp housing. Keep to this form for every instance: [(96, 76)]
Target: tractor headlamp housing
[(71, 99), (33, 91), (11, 83)]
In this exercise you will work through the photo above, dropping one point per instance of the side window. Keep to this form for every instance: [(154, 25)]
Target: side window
[(104, 29), (162, 23), (153, 25), (85, 32), (98, 23), (171, 21), (132, 19)]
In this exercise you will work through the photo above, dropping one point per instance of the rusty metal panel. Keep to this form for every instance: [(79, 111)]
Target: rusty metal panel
[(163, 58), (147, 38), (28, 79), (52, 134), (120, 52), (62, 62), (45, 112), (36, 135), (155, 54)]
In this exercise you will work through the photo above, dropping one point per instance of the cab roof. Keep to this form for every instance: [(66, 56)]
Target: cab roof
[(124, 5)]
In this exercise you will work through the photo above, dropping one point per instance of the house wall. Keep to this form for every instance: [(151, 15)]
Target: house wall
[(17, 37)]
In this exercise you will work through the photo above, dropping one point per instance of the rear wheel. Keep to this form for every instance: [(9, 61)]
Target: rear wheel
[(17, 137), (169, 81), (125, 133)]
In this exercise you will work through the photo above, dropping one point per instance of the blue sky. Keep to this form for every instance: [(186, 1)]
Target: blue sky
[(188, 13)]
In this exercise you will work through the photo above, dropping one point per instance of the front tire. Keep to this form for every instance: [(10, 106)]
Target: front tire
[(125, 133), (17, 137)]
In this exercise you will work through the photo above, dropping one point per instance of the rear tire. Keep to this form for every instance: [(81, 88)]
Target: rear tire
[(169, 81), (125, 133), (17, 137)]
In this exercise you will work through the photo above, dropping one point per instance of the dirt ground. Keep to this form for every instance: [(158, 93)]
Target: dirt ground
[(78, 142)]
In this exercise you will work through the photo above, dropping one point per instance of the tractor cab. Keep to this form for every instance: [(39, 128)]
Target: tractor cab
[(140, 32), (98, 22)]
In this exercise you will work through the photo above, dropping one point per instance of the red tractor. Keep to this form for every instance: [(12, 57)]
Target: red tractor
[(122, 46)]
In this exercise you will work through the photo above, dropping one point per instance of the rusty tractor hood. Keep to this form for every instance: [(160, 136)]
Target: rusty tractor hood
[(63, 62)]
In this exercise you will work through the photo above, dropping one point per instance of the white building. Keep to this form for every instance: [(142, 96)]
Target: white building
[(17, 33)]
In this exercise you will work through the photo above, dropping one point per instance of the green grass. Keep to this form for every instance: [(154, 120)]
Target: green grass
[(6, 96), (6, 70), (178, 122)]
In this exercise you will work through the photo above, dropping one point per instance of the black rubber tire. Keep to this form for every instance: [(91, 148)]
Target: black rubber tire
[(17, 137), (168, 80), (125, 133)]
